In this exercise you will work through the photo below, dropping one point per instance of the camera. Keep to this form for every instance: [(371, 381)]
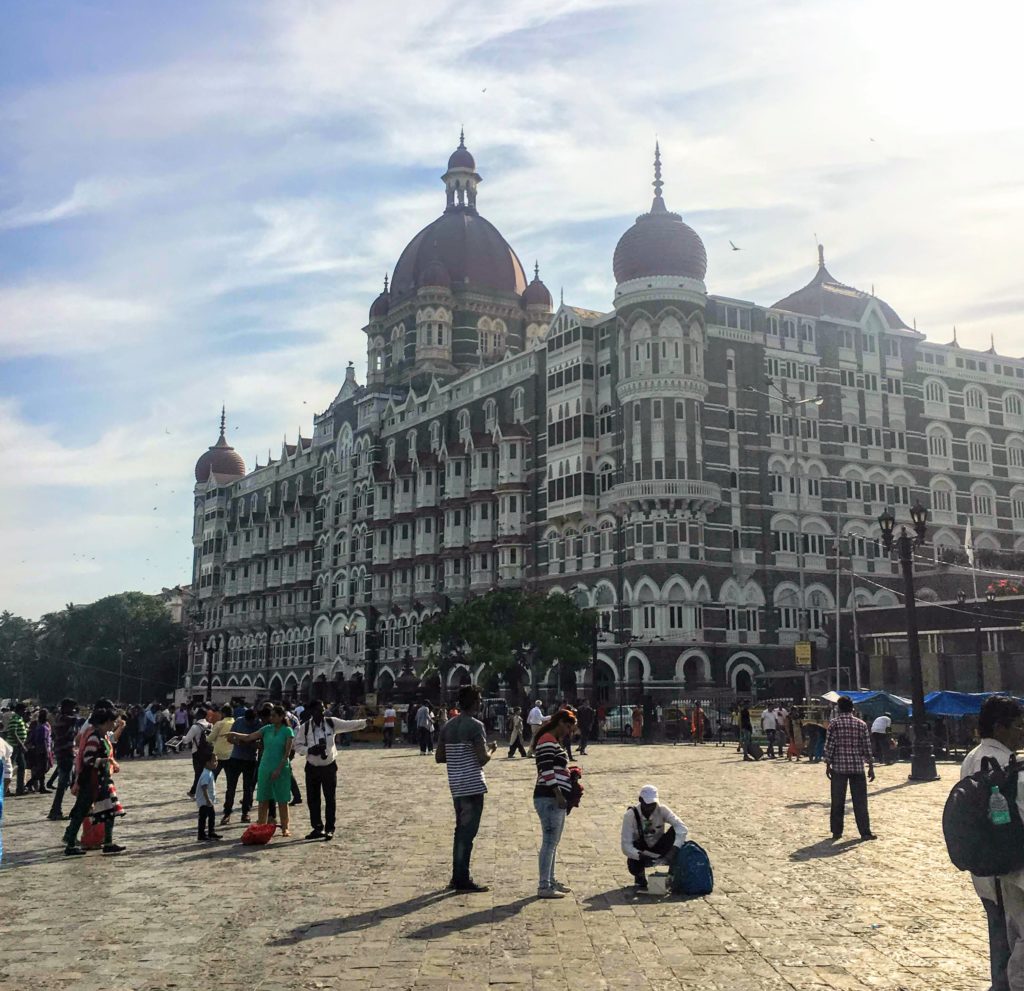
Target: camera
[(320, 750)]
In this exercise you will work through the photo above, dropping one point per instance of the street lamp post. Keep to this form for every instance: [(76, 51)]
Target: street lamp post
[(979, 661), (211, 650), (922, 767)]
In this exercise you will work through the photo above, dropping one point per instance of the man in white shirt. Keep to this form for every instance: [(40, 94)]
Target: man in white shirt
[(316, 739), (534, 719), (197, 741), (880, 737), (645, 840), (770, 724), (1001, 728)]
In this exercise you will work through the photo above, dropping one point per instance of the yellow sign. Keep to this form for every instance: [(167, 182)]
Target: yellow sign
[(802, 649)]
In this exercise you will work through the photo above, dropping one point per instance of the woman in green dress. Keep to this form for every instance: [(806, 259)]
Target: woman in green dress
[(274, 775)]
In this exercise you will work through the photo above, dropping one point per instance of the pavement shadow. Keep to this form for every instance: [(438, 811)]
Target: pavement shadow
[(362, 920), (496, 913), (603, 902), (872, 794), (823, 848)]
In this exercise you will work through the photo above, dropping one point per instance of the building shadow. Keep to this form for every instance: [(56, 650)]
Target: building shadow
[(823, 849), (496, 913), (325, 928)]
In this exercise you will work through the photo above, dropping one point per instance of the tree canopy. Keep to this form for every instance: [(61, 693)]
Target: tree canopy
[(510, 632), (123, 645)]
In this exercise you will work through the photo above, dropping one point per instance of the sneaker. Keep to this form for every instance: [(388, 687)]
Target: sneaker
[(564, 888), (202, 839), (550, 893), (225, 820), (836, 837), (640, 885), (56, 817), (73, 851), (295, 801), (472, 887), (216, 836), (315, 834), (245, 818), (329, 835), (112, 848)]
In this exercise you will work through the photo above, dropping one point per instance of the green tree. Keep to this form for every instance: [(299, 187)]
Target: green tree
[(18, 652), (512, 632)]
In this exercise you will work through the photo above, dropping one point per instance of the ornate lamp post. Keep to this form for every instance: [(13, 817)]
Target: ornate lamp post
[(979, 662), (211, 651), (922, 766)]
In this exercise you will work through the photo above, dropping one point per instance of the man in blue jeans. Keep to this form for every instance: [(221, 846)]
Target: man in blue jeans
[(64, 733), (464, 749)]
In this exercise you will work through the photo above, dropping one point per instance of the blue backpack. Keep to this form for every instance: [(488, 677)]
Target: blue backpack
[(691, 871)]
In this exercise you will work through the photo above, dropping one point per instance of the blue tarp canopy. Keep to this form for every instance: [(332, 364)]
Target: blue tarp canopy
[(954, 704), (874, 704)]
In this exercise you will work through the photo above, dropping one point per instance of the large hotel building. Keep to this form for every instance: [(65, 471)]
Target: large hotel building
[(684, 463)]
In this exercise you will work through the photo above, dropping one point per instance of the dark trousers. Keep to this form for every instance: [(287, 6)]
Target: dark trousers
[(18, 763), (859, 793), (468, 810), (517, 744), (880, 744), (584, 739), (296, 794), (321, 778), (205, 821), (425, 741), (86, 793), (197, 767), (998, 945), (770, 734), (389, 737), (235, 768), (662, 846), (65, 768)]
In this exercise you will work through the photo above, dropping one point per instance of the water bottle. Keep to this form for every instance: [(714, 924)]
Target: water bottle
[(998, 808)]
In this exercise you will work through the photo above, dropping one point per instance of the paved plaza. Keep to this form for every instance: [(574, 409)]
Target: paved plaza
[(791, 910)]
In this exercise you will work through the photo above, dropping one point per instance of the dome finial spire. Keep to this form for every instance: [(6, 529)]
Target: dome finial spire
[(821, 255), (223, 420), (659, 204), (385, 282), (462, 136), (536, 269)]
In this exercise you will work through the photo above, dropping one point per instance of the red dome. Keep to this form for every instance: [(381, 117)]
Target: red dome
[(380, 305), (221, 459), (536, 292), (435, 274)]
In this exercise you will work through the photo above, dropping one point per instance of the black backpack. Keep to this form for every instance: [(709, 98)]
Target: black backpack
[(973, 841), (204, 749)]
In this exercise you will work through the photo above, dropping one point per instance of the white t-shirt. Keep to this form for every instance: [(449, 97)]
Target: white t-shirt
[(206, 787), (536, 717), (881, 725), (768, 720)]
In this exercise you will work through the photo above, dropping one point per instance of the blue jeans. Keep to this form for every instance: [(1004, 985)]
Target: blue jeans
[(65, 768), (552, 822), (468, 810)]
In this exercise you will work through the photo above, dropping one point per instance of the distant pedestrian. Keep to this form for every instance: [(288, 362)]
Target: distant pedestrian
[(770, 726), (880, 729), (550, 796), (206, 799), (390, 716), (197, 739), (39, 752), (698, 724), (586, 718), (847, 749), (241, 763), (64, 754), (425, 729), (746, 733), (16, 734), (515, 735), (534, 718), (181, 720), (638, 723), (464, 749)]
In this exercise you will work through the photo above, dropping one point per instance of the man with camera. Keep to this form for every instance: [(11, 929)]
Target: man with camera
[(316, 739)]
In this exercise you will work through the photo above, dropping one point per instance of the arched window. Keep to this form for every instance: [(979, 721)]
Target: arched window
[(1013, 405), (935, 392), (463, 421), (490, 414), (979, 450), (435, 436), (606, 477), (974, 398), (938, 444), (518, 405), (397, 345), (983, 500)]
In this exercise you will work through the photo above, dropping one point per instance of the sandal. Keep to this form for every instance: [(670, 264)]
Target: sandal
[(285, 832)]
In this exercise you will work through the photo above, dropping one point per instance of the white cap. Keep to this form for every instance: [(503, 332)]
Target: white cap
[(649, 793), (537, 702)]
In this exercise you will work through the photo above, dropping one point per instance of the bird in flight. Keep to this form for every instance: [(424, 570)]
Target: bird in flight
[(733, 246)]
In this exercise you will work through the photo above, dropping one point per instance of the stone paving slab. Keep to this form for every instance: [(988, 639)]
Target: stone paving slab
[(791, 910)]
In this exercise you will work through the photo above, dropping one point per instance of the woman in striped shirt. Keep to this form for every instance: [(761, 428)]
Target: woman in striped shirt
[(550, 794)]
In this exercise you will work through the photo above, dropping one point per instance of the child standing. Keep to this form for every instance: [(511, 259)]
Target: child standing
[(206, 800)]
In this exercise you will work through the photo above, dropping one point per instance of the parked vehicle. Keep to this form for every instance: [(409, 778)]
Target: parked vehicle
[(619, 721)]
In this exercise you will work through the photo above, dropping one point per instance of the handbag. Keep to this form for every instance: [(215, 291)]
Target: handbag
[(259, 834)]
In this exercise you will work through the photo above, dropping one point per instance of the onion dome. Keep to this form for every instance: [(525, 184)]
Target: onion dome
[(824, 296), (461, 158), (381, 304), (659, 243), (221, 459), (536, 293), (435, 274)]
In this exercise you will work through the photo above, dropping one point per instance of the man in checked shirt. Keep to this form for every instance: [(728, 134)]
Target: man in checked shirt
[(847, 749)]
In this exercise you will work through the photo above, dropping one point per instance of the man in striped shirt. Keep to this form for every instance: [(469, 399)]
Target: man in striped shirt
[(16, 735), (463, 748)]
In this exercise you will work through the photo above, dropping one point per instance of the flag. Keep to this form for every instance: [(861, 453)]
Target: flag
[(969, 543)]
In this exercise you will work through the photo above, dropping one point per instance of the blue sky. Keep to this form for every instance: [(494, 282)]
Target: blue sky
[(199, 201)]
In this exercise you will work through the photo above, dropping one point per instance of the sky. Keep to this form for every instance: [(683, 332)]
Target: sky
[(199, 201)]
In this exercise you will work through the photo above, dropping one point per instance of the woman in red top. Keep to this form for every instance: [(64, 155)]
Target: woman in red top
[(550, 794)]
